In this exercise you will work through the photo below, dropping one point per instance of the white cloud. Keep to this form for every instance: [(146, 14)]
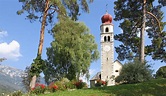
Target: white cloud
[(10, 51)]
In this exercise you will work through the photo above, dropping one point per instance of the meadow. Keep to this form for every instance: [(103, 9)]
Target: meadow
[(155, 87)]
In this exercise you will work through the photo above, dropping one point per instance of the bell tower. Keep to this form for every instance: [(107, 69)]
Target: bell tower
[(107, 49)]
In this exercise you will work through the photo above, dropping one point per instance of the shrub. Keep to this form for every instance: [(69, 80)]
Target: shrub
[(53, 87), (61, 85), (65, 84), (134, 72), (161, 72), (39, 89), (70, 85), (79, 84), (101, 83)]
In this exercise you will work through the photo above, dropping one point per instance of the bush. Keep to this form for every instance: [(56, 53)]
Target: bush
[(161, 72), (62, 84), (100, 83), (134, 72), (53, 87), (79, 84), (70, 85), (39, 89)]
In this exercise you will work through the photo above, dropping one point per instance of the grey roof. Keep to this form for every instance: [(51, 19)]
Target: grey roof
[(118, 61), (96, 77)]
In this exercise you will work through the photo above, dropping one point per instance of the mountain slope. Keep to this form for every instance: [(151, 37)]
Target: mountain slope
[(10, 79)]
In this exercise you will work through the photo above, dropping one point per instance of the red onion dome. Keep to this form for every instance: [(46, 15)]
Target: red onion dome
[(106, 18)]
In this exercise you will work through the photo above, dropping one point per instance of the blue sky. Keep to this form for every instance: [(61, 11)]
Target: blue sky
[(19, 38)]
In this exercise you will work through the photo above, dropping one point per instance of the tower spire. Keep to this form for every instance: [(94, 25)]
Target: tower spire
[(106, 8)]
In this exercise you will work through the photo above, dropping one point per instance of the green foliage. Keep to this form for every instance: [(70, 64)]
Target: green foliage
[(53, 87), (161, 72), (61, 7), (37, 66), (71, 52), (39, 89), (162, 2), (101, 83), (130, 13), (45, 10), (61, 85), (134, 72), (65, 84), (70, 85), (26, 78)]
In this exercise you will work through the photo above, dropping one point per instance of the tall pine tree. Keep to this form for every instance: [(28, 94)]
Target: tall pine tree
[(131, 13)]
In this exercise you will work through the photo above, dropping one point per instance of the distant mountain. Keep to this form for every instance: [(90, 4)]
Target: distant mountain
[(10, 79)]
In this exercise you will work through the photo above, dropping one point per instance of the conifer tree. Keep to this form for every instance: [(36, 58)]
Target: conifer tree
[(131, 13)]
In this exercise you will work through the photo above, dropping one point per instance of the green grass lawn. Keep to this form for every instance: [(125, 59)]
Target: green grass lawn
[(155, 87)]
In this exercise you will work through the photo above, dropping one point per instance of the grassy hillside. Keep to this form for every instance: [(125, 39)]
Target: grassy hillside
[(155, 87)]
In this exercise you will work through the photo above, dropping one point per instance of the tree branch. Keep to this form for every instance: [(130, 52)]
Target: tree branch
[(151, 14)]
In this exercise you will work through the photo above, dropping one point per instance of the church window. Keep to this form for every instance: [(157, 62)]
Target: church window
[(108, 38), (100, 76), (106, 29), (116, 70), (105, 38)]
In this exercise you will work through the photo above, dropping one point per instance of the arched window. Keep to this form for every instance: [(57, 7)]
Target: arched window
[(108, 38), (105, 38), (106, 29)]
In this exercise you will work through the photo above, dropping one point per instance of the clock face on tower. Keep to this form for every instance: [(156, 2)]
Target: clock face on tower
[(106, 48)]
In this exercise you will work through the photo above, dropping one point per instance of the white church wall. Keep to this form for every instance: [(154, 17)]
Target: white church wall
[(117, 68)]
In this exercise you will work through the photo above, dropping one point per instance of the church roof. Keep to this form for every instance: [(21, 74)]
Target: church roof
[(118, 62), (106, 19), (97, 76)]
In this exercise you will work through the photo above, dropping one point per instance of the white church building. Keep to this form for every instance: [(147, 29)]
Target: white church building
[(110, 69)]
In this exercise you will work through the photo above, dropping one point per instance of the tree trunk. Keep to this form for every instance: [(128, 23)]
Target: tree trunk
[(40, 47), (33, 81), (142, 53)]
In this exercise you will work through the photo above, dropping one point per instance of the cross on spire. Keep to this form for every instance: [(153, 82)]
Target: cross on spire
[(106, 8)]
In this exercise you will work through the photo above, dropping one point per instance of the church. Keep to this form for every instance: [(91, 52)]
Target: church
[(110, 69)]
